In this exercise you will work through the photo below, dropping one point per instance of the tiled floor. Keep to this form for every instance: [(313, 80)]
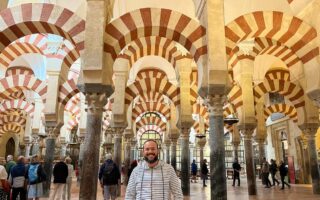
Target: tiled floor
[(297, 192)]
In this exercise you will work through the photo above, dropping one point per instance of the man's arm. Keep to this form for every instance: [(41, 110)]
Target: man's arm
[(175, 185), (131, 188)]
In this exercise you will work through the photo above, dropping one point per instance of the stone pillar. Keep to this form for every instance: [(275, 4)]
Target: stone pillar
[(262, 151), (185, 160), (127, 150), (27, 143), (35, 144), (167, 144), (201, 143), (63, 147), (310, 131), (235, 145), (52, 133), (174, 139), (81, 152), (217, 153), (247, 131), (117, 151), (133, 149), (91, 147), (305, 157)]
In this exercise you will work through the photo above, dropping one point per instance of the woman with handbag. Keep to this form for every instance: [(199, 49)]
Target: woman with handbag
[(4, 185)]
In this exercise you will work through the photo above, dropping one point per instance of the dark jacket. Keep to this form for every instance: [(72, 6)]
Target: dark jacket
[(273, 168), (17, 175), (204, 169), (194, 167), (40, 172), (114, 175), (60, 172), (283, 170), (236, 167)]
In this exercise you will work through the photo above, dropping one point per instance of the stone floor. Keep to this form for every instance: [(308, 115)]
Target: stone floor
[(298, 192)]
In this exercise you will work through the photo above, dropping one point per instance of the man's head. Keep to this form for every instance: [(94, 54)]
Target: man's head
[(108, 156), (21, 159), (34, 159), (150, 151), (68, 160), (9, 158)]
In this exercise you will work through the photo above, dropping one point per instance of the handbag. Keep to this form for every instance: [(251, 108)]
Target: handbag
[(6, 186)]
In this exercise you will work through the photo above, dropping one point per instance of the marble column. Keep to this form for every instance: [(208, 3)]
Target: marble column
[(310, 131), (27, 152), (174, 139), (167, 144), (133, 149), (185, 161), (127, 150), (247, 131), (49, 156), (262, 151), (91, 147), (235, 145), (217, 153), (117, 151), (201, 143), (81, 152), (306, 164), (35, 144)]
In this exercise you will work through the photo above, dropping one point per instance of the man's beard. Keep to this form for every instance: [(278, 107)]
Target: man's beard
[(155, 159)]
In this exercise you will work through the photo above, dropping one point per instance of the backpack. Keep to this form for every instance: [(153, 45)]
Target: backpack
[(33, 173), (108, 168)]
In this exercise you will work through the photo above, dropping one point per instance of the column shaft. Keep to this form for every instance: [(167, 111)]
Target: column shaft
[(251, 175), (262, 152), (314, 168), (217, 158), (91, 147), (185, 164), (174, 155), (48, 163), (168, 154)]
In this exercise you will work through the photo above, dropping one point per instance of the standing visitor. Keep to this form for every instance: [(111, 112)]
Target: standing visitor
[(236, 172), (17, 179), (194, 170), (204, 172), (60, 174)]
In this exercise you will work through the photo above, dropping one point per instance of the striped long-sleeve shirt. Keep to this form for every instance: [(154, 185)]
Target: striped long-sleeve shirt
[(156, 183)]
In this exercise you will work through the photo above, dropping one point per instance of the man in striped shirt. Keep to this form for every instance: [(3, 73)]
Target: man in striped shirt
[(152, 178)]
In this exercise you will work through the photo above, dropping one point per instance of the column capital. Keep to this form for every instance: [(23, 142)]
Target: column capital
[(81, 139), (174, 138), (235, 143), (95, 102), (215, 104), (309, 130), (247, 130), (202, 142)]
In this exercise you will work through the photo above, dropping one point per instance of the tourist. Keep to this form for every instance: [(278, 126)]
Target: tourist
[(283, 173), (67, 189), (273, 171), (265, 173), (194, 170), (204, 172), (60, 174), (17, 179), (236, 172)]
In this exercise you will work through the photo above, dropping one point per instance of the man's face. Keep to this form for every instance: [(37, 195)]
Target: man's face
[(150, 152)]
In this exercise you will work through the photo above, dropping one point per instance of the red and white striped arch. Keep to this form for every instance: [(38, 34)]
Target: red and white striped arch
[(17, 104), (235, 96), (201, 110), (9, 128), (66, 67), (11, 84), (27, 19), (151, 73), (147, 85), (14, 50), (151, 121), (228, 109), (154, 45), (151, 97), (67, 90), (288, 110), (146, 128), (278, 73), (290, 31), (72, 122), (73, 105), (266, 46), (148, 22), (19, 70), (12, 119), (143, 107), (290, 90), (196, 127)]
